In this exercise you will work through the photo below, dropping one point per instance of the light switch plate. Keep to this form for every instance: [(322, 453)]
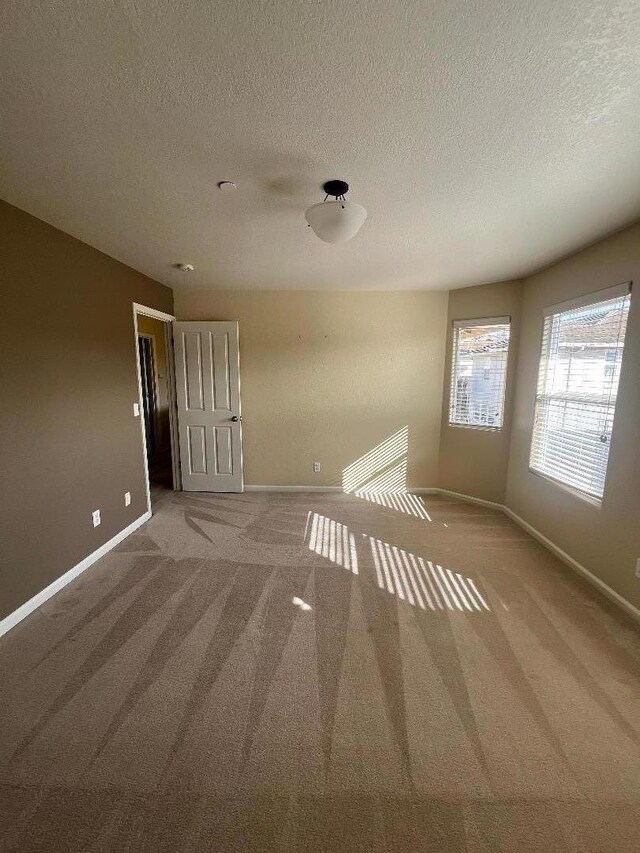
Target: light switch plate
[(638, 568), (136, 410), (127, 498), (95, 517)]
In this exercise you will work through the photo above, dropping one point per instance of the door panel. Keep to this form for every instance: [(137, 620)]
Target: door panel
[(208, 398), (223, 444), (197, 462)]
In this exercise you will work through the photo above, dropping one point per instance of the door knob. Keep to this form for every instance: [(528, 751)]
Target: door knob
[(235, 418)]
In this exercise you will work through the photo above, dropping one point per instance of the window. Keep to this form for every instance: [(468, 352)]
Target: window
[(580, 362), (478, 372)]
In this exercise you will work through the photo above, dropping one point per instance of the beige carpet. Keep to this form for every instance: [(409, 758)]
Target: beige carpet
[(322, 672)]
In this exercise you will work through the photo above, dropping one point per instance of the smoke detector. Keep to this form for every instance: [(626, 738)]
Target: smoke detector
[(226, 186)]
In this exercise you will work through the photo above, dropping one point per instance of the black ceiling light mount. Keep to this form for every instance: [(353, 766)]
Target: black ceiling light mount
[(337, 189)]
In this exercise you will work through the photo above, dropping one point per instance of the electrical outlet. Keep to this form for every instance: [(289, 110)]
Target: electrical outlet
[(136, 410), (127, 498), (95, 517), (316, 467), (638, 568)]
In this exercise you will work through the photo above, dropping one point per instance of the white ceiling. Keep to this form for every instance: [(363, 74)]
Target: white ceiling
[(486, 139)]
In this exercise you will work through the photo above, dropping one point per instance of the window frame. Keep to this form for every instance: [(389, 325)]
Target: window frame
[(593, 298), (469, 323)]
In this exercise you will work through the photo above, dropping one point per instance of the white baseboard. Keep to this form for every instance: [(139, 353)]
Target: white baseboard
[(604, 588), (44, 595), (419, 491), (470, 499), (292, 489)]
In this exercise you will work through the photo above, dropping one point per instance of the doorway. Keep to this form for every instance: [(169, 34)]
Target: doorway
[(154, 356), (191, 429), (150, 381), (154, 381)]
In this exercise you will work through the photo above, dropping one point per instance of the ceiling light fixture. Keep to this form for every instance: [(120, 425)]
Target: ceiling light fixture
[(227, 186), (339, 220), (186, 267)]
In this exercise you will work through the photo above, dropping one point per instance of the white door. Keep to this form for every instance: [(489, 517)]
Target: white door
[(208, 398)]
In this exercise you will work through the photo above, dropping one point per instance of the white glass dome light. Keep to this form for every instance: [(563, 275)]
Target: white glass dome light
[(336, 221)]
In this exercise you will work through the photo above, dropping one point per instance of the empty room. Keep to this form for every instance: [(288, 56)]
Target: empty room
[(320, 431)]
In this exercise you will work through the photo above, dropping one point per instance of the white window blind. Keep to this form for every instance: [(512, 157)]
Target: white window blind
[(580, 362), (478, 372)]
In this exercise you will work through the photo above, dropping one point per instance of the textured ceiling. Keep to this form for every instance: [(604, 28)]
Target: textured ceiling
[(486, 139)]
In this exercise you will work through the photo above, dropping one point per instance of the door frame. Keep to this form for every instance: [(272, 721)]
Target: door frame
[(167, 319)]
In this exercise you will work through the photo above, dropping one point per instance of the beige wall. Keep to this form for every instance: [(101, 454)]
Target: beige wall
[(474, 461), (327, 376), (69, 442), (605, 539), (155, 328)]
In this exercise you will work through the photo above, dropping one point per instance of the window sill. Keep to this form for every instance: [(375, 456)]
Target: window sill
[(475, 427), (583, 496)]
